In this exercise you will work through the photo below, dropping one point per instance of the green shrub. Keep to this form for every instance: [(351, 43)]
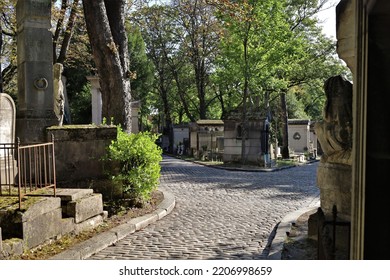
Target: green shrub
[(136, 158)]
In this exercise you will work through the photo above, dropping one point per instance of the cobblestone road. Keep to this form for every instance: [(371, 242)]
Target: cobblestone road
[(219, 214)]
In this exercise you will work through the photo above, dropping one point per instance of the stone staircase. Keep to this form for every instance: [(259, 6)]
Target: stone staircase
[(71, 211)]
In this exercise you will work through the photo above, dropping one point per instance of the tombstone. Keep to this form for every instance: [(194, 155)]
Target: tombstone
[(35, 70), (7, 138)]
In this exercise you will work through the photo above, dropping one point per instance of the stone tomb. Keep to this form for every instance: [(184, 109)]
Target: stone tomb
[(7, 137)]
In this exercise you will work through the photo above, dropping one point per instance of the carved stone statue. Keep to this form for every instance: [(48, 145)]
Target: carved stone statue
[(59, 98), (335, 131)]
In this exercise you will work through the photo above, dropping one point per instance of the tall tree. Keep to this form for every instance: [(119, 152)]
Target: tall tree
[(105, 20), (68, 12), (8, 46), (200, 43)]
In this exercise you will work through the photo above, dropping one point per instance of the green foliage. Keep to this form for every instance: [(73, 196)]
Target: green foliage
[(81, 106), (137, 158)]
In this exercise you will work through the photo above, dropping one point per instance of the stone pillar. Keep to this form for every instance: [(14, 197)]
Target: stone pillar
[(96, 99), (35, 70), (135, 108)]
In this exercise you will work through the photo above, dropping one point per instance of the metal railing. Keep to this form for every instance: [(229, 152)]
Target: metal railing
[(327, 248), (8, 168), (27, 169)]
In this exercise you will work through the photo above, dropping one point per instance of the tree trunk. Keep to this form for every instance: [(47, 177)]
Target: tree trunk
[(244, 103), (68, 32), (106, 31), (283, 106), (56, 36)]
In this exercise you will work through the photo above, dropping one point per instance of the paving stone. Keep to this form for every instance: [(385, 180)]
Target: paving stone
[(219, 214)]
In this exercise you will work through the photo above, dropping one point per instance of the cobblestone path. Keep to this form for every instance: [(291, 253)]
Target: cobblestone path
[(219, 214)]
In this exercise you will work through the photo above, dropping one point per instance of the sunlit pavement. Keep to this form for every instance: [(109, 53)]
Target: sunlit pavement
[(219, 214)]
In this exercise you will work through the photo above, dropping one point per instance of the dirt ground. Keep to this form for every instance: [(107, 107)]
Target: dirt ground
[(298, 246)]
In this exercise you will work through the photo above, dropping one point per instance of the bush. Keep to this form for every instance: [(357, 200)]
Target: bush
[(137, 160)]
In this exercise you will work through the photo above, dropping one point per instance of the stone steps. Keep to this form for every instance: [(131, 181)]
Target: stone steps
[(72, 210)]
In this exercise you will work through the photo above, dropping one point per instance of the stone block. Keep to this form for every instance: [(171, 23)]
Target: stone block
[(123, 230), (12, 247), (42, 228), (43, 206), (334, 181), (88, 224), (85, 208), (144, 221), (73, 194), (67, 225)]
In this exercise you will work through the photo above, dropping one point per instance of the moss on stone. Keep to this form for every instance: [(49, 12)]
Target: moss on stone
[(79, 126)]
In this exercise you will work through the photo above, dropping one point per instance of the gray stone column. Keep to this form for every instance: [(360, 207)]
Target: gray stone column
[(35, 70), (96, 100)]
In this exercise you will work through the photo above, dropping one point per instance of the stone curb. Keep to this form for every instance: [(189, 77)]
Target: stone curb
[(243, 169), (282, 231), (97, 243)]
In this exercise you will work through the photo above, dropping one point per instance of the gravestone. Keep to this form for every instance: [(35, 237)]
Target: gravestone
[(35, 70), (7, 136)]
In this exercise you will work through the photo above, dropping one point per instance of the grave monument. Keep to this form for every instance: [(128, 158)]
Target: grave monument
[(35, 70), (8, 168)]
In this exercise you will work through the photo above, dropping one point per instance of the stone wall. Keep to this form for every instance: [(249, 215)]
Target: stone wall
[(79, 149)]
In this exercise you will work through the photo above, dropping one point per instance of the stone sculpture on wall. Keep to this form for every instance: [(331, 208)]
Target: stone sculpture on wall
[(59, 98), (335, 131), (334, 172)]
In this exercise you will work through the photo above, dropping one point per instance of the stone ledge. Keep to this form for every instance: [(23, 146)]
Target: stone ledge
[(72, 194)]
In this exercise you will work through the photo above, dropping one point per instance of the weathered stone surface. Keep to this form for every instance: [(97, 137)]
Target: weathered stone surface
[(79, 149), (89, 224), (35, 70), (345, 32), (72, 194), (43, 206), (12, 247), (8, 168), (7, 119), (141, 222), (335, 131), (334, 181), (38, 230), (85, 208)]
